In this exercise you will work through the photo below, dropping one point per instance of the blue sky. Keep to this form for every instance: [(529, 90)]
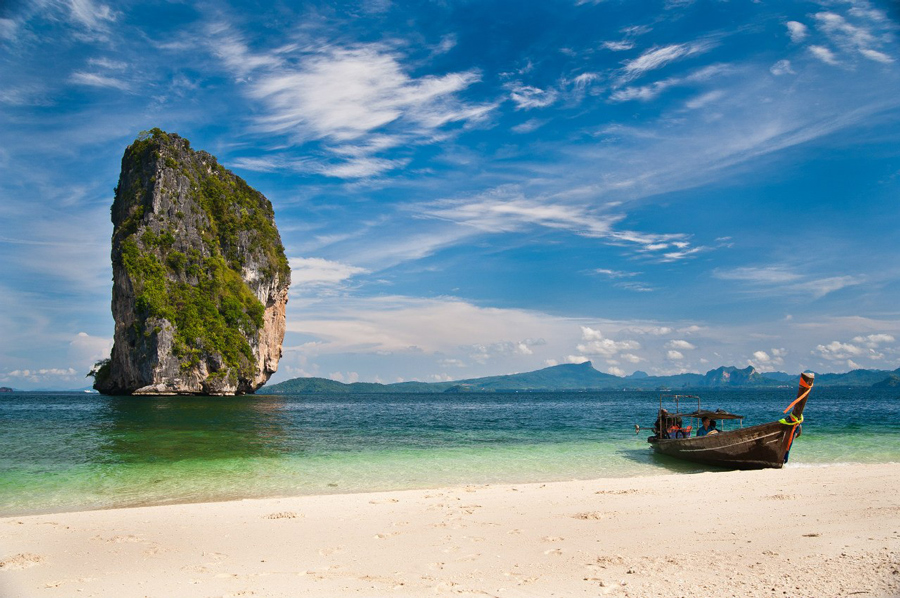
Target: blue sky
[(478, 188)]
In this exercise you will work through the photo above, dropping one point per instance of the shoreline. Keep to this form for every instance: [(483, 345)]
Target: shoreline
[(726, 533), (216, 501)]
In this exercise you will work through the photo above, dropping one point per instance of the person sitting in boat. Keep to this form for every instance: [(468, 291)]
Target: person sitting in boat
[(660, 427), (705, 428), (712, 428)]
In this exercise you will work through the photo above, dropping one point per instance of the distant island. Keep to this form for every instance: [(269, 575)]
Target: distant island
[(583, 377)]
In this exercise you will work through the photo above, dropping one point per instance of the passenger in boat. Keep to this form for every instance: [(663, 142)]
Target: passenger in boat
[(660, 427), (712, 428), (704, 429)]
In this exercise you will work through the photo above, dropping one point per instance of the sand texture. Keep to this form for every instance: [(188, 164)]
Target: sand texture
[(802, 531)]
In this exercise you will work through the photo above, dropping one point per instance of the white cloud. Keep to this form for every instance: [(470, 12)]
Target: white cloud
[(876, 55), (361, 167), (482, 353), (616, 371), (348, 378), (680, 344), (637, 287), (838, 351), (673, 355), (526, 97), (823, 54), (42, 372), (597, 344), (106, 63), (397, 324), (43, 376), (318, 271), (85, 350), (797, 31), (577, 359), (631, 357), (767, 362), (782, 67), (590, 334), (705, 99), (873, 340)]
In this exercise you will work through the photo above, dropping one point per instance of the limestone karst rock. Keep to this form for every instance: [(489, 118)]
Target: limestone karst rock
[(200, 279)]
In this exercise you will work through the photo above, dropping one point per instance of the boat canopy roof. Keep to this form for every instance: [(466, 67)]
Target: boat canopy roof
[(719, 414)]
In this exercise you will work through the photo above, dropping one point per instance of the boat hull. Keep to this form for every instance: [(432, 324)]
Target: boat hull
[(755, 447)]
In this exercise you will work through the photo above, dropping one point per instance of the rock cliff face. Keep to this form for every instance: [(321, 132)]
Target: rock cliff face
[(200, 279)]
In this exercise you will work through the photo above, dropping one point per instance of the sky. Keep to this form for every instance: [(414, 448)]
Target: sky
[(475, 188)]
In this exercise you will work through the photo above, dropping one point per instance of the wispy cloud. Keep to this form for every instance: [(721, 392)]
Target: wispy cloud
[(614, 273), (759, 275), (850, 37), (619, 46), (8, 28), (343, 94), (788, 281), (532, 124), (657, 58), (91, 14), (527, 97), (358, 98), (649, 92), (96, 80), (506, 210)]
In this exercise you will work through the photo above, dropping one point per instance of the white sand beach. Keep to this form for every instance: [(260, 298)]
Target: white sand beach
[(801, 531)]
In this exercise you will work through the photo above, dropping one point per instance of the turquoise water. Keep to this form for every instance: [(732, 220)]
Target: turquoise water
[(61, 452)]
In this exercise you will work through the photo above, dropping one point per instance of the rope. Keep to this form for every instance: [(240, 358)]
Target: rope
[(798, 399), (795, 421)]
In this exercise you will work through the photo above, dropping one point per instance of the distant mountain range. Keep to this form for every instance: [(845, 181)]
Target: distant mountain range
[(583, 376)]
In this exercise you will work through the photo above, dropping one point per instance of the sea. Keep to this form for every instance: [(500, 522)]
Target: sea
[(73, 452)]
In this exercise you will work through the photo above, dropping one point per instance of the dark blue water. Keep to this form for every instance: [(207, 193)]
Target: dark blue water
[(66, 452)]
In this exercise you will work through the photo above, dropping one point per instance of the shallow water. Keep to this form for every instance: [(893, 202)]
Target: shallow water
[(62, 452)]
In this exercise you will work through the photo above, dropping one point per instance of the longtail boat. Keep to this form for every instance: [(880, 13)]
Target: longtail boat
[(754, 447)]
